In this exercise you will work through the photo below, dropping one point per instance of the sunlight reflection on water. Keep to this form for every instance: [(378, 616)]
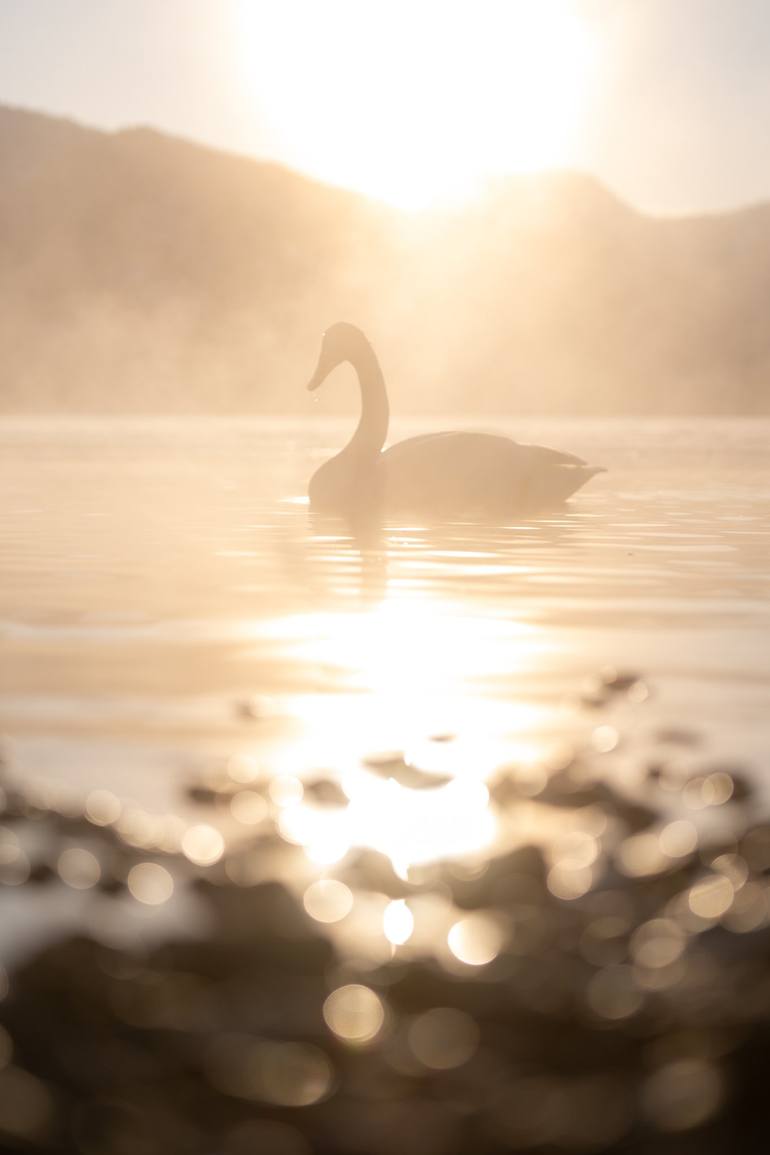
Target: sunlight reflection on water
[(406, 673)]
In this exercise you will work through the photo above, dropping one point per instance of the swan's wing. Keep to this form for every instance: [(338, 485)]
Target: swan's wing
[(462, 446), (541, 454), (404, 448), (476, 470)]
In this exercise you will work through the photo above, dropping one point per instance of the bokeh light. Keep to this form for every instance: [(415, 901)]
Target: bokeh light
[(678, 839), (281, 1073), (79, 868), (613, 993), (203, 844), (683, 1094), (711, 896), (150, 883), (328, 900), (354, 1013), (248, 807), (103, 807), (443, 1038), (398, 922), (14, 863), (475, 940)]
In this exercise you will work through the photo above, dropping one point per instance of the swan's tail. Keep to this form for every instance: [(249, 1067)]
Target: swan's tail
[(554, 485)]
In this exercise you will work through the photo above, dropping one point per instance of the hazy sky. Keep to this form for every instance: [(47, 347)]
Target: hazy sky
[(668, 101)]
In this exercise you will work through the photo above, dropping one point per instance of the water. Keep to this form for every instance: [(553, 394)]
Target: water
[(167, 602), (156, 573), (236, 694)]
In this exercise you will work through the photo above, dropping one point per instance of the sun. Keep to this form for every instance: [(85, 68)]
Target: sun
[(416, 103)]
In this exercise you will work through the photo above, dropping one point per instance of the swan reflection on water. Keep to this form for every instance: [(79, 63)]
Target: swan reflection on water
[(351, 556)]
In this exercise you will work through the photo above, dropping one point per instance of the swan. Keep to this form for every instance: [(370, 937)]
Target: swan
[(441, 473)]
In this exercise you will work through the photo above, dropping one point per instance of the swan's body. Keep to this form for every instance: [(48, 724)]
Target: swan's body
[(442, 473)]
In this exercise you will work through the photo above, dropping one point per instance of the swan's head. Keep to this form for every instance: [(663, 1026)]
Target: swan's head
[(341, 342)]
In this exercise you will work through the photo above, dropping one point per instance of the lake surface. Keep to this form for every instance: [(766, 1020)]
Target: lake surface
[(169, 611)]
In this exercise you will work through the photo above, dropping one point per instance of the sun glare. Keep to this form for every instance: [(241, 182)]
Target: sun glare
[(403, 673), (417, 103)]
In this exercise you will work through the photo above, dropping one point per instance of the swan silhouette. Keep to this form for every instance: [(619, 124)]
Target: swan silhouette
[(440, 473)]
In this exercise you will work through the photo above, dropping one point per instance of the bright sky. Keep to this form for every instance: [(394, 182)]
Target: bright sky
[(667, 101)]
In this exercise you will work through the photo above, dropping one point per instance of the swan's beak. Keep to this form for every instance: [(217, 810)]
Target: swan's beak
[(326, 362), (328, 359), (318, 377)]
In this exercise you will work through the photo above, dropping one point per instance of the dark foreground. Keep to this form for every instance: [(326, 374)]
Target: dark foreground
[(627, 1013)]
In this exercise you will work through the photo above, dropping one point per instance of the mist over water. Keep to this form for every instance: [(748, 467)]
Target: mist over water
[(150, 274)]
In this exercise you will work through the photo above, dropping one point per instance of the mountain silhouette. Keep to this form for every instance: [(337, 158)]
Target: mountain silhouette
[(140, 272)]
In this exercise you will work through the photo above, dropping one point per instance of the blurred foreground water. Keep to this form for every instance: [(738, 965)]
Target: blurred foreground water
[(444, 838)]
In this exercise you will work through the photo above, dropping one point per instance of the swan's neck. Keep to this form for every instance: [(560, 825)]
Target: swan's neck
[(372, 429)]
